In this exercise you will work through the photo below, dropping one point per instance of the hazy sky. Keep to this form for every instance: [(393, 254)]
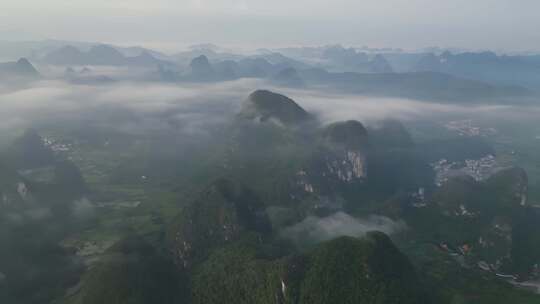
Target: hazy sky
[(477, 24)]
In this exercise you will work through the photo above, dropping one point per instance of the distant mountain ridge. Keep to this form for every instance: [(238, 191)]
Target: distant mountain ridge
[(485, 66), (426, 86), (19, 69), (488, 67), (445, 77), (100, 54)]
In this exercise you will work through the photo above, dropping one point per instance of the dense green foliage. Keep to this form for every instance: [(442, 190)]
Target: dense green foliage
[(345, 270), (132, 272), (236, 274), (452, 284), (351, 134), (222, 213), (490, 217), (371, 270), (390, 134), (214, 213)]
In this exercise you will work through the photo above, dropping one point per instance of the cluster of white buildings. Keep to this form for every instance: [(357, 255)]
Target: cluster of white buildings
[(56, 146), (466, 128), (479, 169)]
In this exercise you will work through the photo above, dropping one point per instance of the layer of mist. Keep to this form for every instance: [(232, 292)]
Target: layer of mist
[(314, 229)]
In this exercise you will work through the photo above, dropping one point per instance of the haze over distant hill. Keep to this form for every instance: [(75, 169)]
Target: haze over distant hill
[(426, 76), (270, 152), (485, 66), (98, 55), (22, 68), (417, 85)]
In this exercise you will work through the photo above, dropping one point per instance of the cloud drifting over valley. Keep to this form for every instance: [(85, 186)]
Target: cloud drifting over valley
[(195, 106), (313, 229)]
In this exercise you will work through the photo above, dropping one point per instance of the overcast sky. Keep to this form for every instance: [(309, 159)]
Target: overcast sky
[(474, 24)]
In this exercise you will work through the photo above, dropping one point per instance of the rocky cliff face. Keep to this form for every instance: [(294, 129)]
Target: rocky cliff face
[(348, 165), (304, 161), (349, 143), (340, 160)]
